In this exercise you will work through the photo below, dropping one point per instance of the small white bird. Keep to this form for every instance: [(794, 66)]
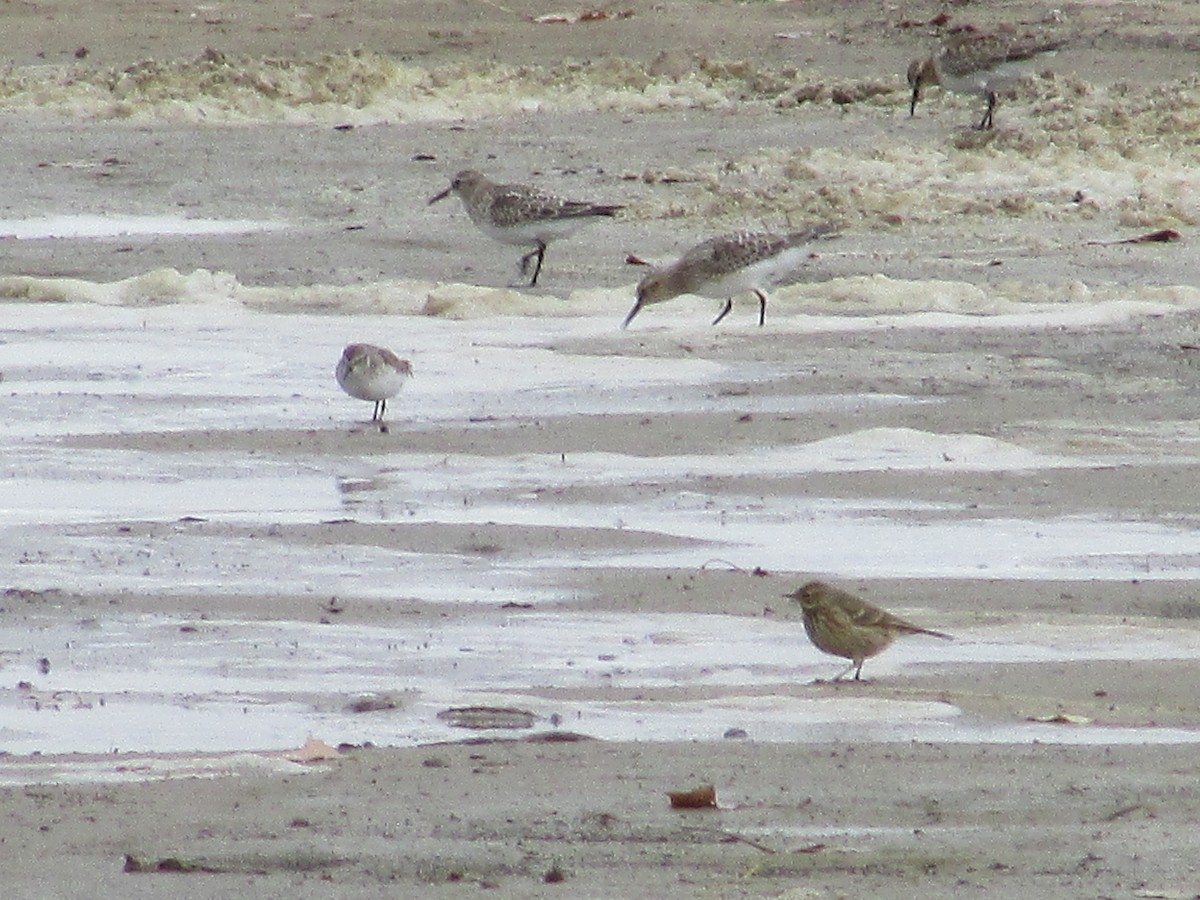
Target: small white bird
[(522, 215), (978, 64), (367, 372), (727, 265)]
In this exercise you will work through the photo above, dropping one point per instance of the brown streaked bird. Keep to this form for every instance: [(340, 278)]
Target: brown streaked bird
[(744, 262), (841, 624), (978, 64), (522, 215)]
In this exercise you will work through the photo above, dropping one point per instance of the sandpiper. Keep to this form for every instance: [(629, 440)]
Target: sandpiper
[(367, 372), (522, 215), (724, 266), (841, 624), (977, 64)]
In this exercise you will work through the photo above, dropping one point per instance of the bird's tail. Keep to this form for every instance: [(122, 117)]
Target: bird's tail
[(929, 631)]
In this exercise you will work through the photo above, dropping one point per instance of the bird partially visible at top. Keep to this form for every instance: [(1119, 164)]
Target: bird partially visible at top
[(979, 64)]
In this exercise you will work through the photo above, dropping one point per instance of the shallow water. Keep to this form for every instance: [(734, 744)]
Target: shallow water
[(165, 683), (171, 684)]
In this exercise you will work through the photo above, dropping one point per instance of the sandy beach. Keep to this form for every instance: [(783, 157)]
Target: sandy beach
[(252, 644)]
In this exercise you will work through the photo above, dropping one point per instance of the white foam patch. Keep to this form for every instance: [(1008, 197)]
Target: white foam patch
[(359, 88), (1010, 304), (879, 303), (467, 301), (154, 288)]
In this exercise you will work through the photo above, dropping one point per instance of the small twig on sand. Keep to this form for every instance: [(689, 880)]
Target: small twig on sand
[(738, 839), (1162, 236)]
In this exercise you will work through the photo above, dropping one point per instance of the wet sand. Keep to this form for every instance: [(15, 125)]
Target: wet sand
[(538, 815)]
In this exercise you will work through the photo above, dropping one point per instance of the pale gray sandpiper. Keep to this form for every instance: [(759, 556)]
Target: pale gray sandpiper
[(522, 215), (725, 266), (367, 372), (978, 64)]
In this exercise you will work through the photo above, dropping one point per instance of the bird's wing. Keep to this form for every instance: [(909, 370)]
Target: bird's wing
[(730, 252), (865, 614), (515, 203), (979, 52)]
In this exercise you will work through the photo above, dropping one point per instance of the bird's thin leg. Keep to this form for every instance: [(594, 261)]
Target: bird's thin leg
[(724, 310), (986, 122), (842, 674), (858, 671), (540, 252), (537, 270), (762, 307)]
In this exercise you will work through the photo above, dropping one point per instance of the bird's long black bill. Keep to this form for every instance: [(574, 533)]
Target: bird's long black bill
[(442, 196), (633, 312)]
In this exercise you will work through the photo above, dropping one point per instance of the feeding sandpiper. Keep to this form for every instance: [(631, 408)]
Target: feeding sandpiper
[(522, 215), (724, 266), (367, 372), (977, 64), (841, 624)]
